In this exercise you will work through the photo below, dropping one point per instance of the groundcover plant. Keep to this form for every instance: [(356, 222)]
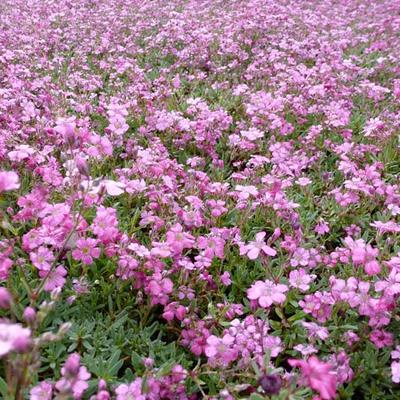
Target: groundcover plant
[(199, 199)]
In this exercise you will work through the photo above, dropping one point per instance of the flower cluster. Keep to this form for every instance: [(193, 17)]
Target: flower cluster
[(199, 199)]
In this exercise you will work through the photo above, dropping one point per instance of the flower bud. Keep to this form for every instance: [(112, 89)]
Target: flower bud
[(29, 315), (22, 344), (102, 385), (5, 298), (82, 166), (64, 328), (103, 395), (271, 383), (69, 134), (72, 365), (148, 362)]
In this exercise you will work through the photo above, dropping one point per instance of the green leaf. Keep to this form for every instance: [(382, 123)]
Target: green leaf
[(3, 388)]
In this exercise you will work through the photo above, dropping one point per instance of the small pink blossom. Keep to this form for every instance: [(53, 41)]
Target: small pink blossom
[(318, 375), (8, 181), (42, 391), (267, 292), (13, 337), (253, 249), (300, 279), (395, 368), (86, 250), (221, 350)]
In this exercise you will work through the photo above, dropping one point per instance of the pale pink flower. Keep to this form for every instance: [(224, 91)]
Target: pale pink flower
[(254, 248), (305, 349), (395, 367), (42, 258), (221, 350), (300, 279), (267, 292), (8, 181), (304, 181), (13, 337), (42, 391), (132, 391), (246, 191)]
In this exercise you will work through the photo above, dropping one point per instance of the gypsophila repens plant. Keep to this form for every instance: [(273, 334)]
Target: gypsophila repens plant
[(199, 199)]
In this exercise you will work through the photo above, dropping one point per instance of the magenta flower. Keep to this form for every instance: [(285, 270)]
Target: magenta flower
[(179, 240), (253, 249), (86, 250), (318, 375), (267, 292), (213, 246), (381, 338)]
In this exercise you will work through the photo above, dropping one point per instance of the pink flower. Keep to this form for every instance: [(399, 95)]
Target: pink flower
[(226, 278), (221, 350), (8, 181), (42, 258), (212, 246), (159, 289), (381, 338), (318, 376), (246, 191), (13, 337), (42, 391), (300, 279), (74, 378), (267, 293), (86, 250), (55, 279), (395, 367), (321, 228), (303, 181), (253, 249), (364, 254), (315, 331), (113, 188), (105, 224), (305, 349), (179, 240), (217, 207), (130, 391)]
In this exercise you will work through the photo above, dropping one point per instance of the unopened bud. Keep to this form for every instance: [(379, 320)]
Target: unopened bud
[(69, 134), (55, 294), (64, 328), (102, 385), (29, 315), (103, 395), (82, 166), (271, 383), (72, 365), (5, 298), (22, 344)]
